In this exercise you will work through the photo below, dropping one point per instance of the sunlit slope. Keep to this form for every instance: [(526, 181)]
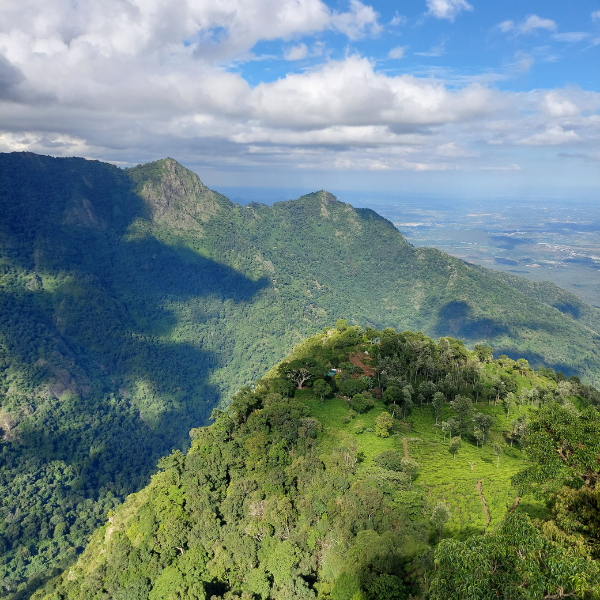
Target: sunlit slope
[(304, 493)]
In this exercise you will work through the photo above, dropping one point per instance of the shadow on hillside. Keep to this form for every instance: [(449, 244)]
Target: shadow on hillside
[(568, 308), (536, 360), (455, 320), (99, 328)]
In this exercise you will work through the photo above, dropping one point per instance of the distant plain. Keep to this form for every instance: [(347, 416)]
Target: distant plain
[(556, 241)]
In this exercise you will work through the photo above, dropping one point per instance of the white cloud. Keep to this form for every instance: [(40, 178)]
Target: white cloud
[(350, 92), (533, 22), (596, 15), (554, 135), (447, 9), (212, 31), (452, 150), (397, 52), (296, 52), (555, 104), (356, 23), (133, 81), (523, 62), (571, 37), (398, 19)]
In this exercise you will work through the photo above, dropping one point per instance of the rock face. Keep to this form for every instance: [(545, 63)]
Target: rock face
[(175, 197)]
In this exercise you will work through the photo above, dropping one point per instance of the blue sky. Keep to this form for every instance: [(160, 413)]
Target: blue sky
[(442, 97)]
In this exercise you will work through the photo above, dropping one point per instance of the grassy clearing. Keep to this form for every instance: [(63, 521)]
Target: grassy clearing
[(441, 476)]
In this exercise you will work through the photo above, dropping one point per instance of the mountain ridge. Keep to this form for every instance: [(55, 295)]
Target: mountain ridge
[(134, 301)]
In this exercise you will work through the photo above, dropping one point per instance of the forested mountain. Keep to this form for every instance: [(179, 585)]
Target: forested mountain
[(133, 301), (340, 487)]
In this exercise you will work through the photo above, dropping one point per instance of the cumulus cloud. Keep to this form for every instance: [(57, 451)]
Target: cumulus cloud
[(533, 22), (352, 92), (555, 104), (360, 20), (296, 52), (447, 9), (554, 135), (397, 52), (133, 81), (596, 15), (208, 30)]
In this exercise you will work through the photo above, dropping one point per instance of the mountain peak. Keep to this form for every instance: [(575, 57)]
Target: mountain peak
[(175, 195)]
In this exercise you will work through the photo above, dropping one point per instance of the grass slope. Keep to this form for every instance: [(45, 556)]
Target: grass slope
[(261, 507)]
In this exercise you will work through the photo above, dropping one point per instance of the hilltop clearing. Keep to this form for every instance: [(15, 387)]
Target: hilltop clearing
[(302, 488)]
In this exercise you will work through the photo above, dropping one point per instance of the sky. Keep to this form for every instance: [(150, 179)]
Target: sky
[(481, 98)]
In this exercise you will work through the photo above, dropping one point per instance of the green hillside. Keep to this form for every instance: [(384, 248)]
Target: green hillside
[(323, 492), (132, 302)]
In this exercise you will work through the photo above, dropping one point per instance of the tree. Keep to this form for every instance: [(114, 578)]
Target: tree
[(454, 446), (297, 372), (341, 325), (507, 402), (564, 389), (449, 426), (439, 517), (483, 423), (514, 561), (361, 403), (438, 402), (407, 401), (410, 467), (562, 445), (463, 407), (479, 436), (485, 354), (383, 424), (497, 448), (321, 388), (392, 395), (428, 389), (522, 365)]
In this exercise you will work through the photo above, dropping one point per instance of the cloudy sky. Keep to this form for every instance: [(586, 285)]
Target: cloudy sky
[(422, 96)]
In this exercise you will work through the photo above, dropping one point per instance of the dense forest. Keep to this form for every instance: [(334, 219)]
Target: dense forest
[(367, 466), (135, 301)]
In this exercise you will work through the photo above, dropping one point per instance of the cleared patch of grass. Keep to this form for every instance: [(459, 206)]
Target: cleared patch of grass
[(441, 477)]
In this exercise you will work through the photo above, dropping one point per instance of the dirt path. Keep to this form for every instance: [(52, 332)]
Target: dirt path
[(486, 510), (406, 455), (357, 361), (514, 506)]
